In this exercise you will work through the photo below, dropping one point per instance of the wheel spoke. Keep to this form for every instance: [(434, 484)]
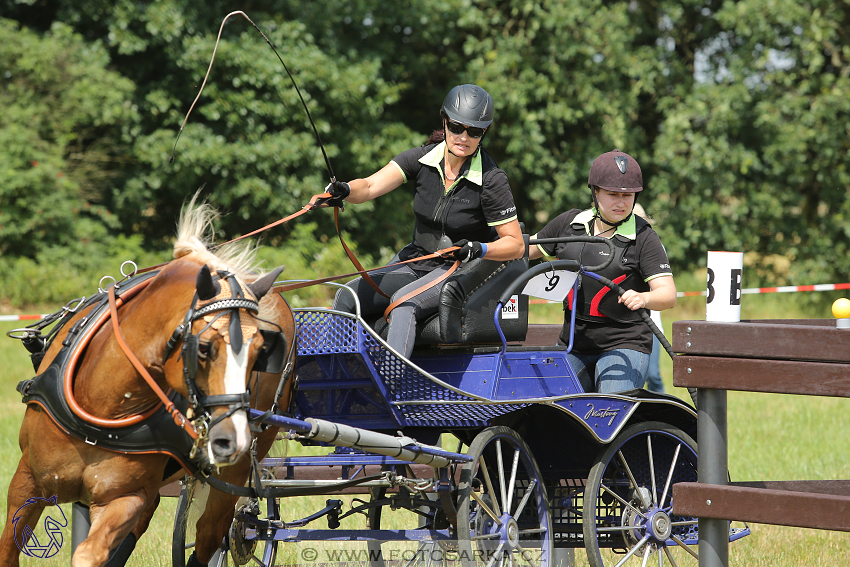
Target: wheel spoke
[(647, 552), (533, 531), (483, 464), (684, 546), (626, 504), (496, 554), (525, 498), (615, 529), (670, 475), (523, 553), (501, 471), (661, 557), (512, 482), (422, 545), (190, 545), (670, 557), (485, 536), (651, 469), (632, 479), (632, 551), (685, 523), (486, 508)]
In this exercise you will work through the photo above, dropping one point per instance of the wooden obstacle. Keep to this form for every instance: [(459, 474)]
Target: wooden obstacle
[(807, 357)]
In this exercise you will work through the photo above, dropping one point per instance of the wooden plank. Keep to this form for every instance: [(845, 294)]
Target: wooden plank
[(802, 509), (542, 335), (834, 487), (170, 490), (764, 339), (753, 375)]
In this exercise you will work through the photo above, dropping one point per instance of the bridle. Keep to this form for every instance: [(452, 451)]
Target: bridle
[(200, 403)]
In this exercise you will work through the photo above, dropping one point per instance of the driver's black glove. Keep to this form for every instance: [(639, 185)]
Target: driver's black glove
[(468, 250), (339, 191)]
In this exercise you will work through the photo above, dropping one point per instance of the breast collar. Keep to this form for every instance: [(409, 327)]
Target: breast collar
[(157, 433)]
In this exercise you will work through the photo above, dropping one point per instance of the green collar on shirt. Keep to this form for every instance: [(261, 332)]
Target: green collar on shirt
[(434, 158), (626, 230)]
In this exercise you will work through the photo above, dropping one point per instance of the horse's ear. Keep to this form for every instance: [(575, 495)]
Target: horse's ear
[(207, 288), (261, 287)]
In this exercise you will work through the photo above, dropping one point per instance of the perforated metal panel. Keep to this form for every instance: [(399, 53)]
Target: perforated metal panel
[(323, 333), (319, 332)]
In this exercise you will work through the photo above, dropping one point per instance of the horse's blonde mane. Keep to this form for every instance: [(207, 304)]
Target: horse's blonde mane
[(195, 235)]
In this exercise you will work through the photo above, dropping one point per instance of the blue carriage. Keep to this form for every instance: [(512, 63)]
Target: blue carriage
[(536, 466)]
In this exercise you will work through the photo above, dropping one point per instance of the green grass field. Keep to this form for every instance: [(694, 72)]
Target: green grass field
[(770, 437)]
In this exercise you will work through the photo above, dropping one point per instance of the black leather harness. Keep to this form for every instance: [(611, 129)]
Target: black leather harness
[(156, 434)]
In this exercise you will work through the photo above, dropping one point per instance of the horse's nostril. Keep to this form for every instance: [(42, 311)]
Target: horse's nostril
[(222, 446)]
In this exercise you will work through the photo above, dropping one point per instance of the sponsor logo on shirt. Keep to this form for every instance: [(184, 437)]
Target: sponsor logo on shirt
[(506, 211), (664, 266)]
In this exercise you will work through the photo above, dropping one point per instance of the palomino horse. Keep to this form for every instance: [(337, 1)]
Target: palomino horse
[(190, 331)]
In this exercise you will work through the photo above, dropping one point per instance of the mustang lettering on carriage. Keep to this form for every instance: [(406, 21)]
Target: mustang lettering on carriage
[(602, 413), (26, 539)]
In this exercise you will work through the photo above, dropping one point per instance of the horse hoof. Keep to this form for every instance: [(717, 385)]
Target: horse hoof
[(193, 561)]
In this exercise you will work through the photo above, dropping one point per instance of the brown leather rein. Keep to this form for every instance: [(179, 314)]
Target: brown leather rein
[(361, 271), (181, 420), (320, 201)]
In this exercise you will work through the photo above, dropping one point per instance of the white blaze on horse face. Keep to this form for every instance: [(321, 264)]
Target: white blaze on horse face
[(234, 383)]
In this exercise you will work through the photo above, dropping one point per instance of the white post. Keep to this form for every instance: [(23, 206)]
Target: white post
[(723, 292), (723, 304)]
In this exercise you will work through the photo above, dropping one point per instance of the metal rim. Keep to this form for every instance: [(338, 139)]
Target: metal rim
[(628, 500), (503, 511)]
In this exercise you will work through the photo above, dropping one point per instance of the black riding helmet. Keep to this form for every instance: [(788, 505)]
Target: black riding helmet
[(618, 172), (470, 105)]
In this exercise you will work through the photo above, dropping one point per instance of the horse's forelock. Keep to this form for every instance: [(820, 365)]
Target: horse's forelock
[(195, 234)]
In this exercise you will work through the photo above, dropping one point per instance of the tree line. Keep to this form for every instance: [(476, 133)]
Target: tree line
[(737, 111)]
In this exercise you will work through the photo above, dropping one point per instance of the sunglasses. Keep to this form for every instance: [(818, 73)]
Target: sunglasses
[(457, 129)]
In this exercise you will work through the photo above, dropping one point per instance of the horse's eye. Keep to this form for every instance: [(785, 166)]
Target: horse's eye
[(203, 350)]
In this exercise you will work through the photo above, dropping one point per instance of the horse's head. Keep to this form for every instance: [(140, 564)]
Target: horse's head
[(220, 344)]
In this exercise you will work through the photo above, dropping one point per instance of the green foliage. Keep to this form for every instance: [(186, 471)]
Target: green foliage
[(737, 112), (58, 274), (756, 153), (57, 132)]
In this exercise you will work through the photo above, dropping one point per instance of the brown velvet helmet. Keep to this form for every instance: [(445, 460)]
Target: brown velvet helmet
[(616, 171)]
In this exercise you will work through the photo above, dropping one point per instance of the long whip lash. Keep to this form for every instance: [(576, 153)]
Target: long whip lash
[(291, 78)]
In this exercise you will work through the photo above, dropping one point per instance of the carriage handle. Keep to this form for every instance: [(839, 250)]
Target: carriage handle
[(571, 265)]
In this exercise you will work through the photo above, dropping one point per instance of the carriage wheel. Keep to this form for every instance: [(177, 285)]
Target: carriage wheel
[(503, 512), (628, 497), (245, 551), (190, 506)]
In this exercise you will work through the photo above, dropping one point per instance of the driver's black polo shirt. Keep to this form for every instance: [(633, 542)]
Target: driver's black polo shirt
[(479, 199)]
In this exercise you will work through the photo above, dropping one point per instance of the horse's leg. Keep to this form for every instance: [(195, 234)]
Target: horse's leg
[(118, 557), (21, 487), (110, 524), (214, 523)]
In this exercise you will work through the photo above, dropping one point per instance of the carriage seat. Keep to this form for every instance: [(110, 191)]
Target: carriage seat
[(468, 299)]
